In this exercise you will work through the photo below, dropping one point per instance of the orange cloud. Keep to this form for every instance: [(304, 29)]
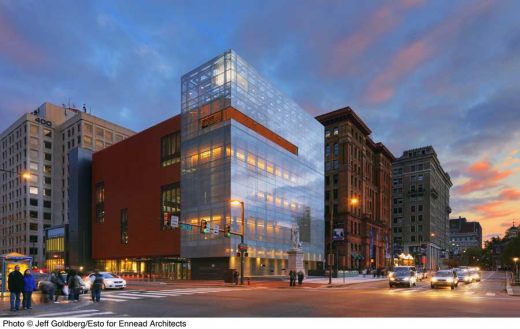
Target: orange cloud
[(380, 22), (410, 57), (510, 194), (482, 177)]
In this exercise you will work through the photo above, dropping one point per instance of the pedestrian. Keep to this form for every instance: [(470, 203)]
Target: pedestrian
[(300, 278), (29, 285), (235, 277), (96, 286), (48, 289), (292, 278), (15, 286), (59, 286)]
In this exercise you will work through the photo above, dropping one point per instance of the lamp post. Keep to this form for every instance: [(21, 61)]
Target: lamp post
[(241, 203), (515, 259)]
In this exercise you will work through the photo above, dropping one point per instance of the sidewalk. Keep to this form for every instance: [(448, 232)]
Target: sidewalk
[(511, 289), (268, 282)]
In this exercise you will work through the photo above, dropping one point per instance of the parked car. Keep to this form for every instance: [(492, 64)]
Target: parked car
[(110, 280), (445, 278), (464, 275), (402, 276)]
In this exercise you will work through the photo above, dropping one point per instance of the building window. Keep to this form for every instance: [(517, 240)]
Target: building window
[(336, 149), (327, 180), (48, 157), (124, 226), (33, 214), (48, 145), (100, 132), (47, 169), (335, 179), (327, 133), (170, 203), (47, 132), (33, 190), (170, 149), (33, 202), (327, 150), (46, 215), (46, 204), (100, 202), (420, 207), (33, 238), (335, 131), (47, 180), (335, 192)]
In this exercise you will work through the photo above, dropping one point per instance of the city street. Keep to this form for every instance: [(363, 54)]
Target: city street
[(371, 299)]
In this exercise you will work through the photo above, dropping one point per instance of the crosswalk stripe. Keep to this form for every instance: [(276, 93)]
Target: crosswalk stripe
[(91, 314), (65, 313), (129, 296), (150, 295), (469, 292), (491, 294), (113, 299)]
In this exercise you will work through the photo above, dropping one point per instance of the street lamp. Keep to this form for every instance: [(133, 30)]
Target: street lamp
[(241, 203), (515, 259)]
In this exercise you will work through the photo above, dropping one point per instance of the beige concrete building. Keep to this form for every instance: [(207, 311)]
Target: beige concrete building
[(38, 142), (421, 207)]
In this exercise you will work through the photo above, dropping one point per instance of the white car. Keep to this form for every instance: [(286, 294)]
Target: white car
[(110, 280)]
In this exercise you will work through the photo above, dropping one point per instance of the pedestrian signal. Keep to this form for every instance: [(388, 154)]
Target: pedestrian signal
[(204, 226)]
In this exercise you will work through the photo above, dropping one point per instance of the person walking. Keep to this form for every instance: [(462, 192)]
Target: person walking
[(78, 286), (97, 284), (15, 286), (292, 278), (300, 278), (29, 285), (59, 286)]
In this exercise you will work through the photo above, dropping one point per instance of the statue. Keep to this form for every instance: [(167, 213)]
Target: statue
[(295, 238)]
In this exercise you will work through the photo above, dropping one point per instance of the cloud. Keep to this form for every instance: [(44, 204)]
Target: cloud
[(410, 57), (510, 194), (482, 176)]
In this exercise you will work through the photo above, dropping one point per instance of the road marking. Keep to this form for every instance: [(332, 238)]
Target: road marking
[(469, 293), (126, 296), (113, 299), (64, 313), (490, 294), (95, 314)]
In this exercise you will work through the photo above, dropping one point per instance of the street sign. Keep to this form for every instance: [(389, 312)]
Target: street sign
[(185, 227), (174, 221), (242, 246), (216, 229)]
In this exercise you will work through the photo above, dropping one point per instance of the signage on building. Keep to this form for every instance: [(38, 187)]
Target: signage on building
[(185, 227), (44, 122), (174, 221), (56, 232), (338, 234)]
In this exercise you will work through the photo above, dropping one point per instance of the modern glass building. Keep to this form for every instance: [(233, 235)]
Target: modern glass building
[(242, 139)]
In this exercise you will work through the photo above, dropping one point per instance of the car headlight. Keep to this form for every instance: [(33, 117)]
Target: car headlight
[(407, 278), (466, 278), (450, 280), (434, 279)]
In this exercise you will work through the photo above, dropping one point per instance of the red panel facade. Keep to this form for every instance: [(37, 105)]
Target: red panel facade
[(132, 174)]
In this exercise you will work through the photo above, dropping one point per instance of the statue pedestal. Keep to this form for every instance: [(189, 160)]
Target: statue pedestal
[(295, 261)]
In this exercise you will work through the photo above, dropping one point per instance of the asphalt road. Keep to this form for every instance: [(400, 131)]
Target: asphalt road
[(375, 299)]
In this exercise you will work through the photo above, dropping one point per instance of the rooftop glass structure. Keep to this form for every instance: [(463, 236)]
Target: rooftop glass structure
[(242, 139)]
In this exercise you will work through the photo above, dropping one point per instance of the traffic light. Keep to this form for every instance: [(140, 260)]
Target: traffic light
[(227, 233), (204, 227)]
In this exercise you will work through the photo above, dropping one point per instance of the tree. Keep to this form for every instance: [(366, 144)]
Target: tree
[(471, 257), (511, 249)]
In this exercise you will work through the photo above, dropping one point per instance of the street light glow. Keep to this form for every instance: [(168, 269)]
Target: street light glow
[(236, 202), (26, 175), (515, 259), (354, 201)]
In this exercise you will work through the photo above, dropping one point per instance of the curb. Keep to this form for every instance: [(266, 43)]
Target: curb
[(341, 285)]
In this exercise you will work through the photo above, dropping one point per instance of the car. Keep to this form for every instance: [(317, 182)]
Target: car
[(464, 275), (422, 273), (402, 276), (110, 280), (445, 278), (475, 275)]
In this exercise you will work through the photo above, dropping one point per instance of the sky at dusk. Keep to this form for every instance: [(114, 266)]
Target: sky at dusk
[(440, 73)]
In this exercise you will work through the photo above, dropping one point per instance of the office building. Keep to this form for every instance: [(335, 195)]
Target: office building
[(39, 142), (243, 140), (421, 207), (358, 187), (464, 235)]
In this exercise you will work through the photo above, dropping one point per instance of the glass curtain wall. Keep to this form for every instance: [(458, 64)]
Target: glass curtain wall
[(224, 160)]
